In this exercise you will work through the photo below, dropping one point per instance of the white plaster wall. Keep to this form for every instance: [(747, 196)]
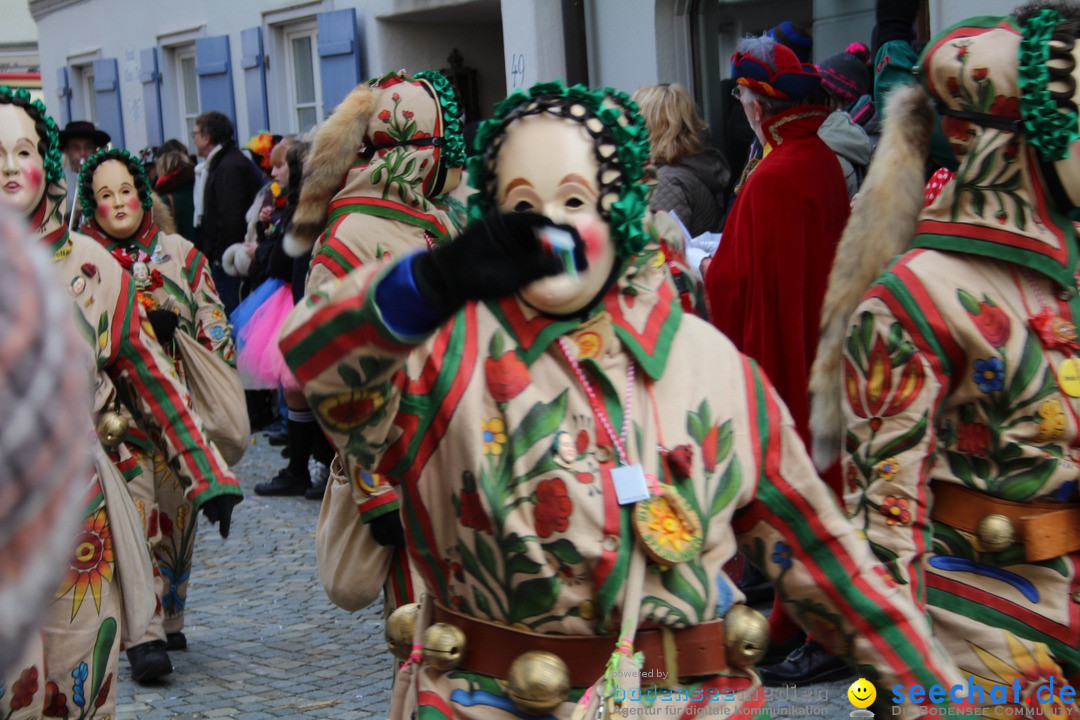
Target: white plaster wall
[(623, 51), (944, 13), (17, 26), (533, 47)]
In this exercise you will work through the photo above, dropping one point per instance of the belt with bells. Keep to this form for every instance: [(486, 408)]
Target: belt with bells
[(1047, 530), (541, 668)]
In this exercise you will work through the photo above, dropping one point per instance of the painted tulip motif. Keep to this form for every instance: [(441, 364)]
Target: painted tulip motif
[(991, 321), (874, 390)]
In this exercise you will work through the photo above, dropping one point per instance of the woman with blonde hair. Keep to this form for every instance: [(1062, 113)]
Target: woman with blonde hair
[(692, 176)]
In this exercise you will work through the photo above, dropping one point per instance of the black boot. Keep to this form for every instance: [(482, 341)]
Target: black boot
[(285, 482), (149, 661), (808, 664), (175, 641)]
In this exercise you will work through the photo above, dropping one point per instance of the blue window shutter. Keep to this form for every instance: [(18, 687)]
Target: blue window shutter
[(63, 97), (214, 68), (339, 56), (110, 108), (151, 83), (254, 65)]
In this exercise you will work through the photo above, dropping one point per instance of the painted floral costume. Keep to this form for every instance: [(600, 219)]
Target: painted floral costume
[(956, 387), (169, 273), (383, 210), (506, 484), (81, 629)]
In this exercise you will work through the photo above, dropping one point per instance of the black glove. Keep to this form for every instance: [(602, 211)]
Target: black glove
[(895, 21), (490, 259), (220, 509), (388, 530), (164, 323)]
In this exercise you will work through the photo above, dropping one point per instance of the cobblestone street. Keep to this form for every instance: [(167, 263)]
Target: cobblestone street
[(264, 642)]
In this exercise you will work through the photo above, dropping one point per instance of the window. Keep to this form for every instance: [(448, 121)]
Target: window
[(302, 67), (187, 87), (89, 93)]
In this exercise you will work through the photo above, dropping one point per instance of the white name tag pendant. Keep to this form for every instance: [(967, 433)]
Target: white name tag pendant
[(630, 485)]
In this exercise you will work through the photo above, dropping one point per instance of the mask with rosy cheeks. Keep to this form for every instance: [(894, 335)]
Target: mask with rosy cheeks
[(548, 165), (22, 169), (119, 212)]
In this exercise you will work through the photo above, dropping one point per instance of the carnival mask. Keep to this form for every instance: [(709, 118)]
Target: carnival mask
[(548, 165), (21, 163), (117, 208)]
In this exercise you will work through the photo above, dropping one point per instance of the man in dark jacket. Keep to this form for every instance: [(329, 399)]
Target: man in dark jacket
[(225, 185)]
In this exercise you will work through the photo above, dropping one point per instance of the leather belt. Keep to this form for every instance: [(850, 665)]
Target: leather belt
[(686, 652), (1047, 530)]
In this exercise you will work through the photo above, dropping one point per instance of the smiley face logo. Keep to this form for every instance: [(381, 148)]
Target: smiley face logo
[(862, 693)]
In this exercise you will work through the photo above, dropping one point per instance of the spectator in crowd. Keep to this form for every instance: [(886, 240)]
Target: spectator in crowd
[(767, 280), (691, 175), (78, 140), (175, 186), (225, 184), (844, 80)]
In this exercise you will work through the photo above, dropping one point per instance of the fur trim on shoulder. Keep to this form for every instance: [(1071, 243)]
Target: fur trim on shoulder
[(332, 152), (163, 215), (252, 214), (881, 226)]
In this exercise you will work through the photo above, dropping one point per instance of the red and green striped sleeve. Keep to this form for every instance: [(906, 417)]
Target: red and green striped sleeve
[(822, 567), (211, 322), (896, 376), (139, 364)]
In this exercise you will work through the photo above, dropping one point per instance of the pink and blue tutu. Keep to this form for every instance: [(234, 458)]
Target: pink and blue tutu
[(257, 323)]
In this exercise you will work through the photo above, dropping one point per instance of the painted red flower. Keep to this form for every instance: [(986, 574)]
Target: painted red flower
[(381, 138), (396, 97), (962, 52), (506, 377), (89, 270), (103, 693), (152, 524), (993, 323), (1055, 332), (973, 438), (895, 510), (582, 443), (953, 86), (708, 448), (55, 701), (24, 689), (553, 507), (472, 512), (1011, 151), (955, 128), (680, 459), (407, 113), (384, 116), (584, 478), (980, 74), (166, 524), (420, 135), (1006, 106)]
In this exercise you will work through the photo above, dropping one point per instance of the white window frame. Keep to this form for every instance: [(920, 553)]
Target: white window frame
[(181, 53), (289, 33)]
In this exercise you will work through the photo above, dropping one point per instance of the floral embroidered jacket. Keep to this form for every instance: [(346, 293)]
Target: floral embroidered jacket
[(131, 367), (951, 375), (384, 211), (505, 473), (171, 274)]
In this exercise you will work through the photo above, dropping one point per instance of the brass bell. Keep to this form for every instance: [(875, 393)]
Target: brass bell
[(995, 533), (399, 631), (537, 682), (444, 646), (112, 427), (746, 635)]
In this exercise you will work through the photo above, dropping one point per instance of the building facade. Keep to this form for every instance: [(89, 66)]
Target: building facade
[(143, 71)]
